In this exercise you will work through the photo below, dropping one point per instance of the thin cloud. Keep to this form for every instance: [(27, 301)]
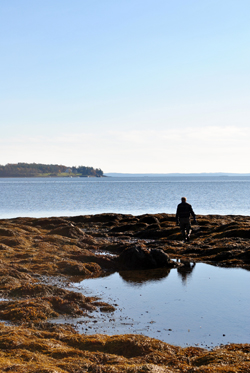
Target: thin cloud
[(210, 149)]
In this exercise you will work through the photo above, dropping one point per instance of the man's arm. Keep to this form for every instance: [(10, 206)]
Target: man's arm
[(177, 215), (192, 213)]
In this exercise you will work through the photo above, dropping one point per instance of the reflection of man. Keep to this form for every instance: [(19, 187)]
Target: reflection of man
[(186, 270), (183, 212)]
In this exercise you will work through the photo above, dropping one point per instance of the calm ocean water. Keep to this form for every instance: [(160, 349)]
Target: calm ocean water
[(43, 197)]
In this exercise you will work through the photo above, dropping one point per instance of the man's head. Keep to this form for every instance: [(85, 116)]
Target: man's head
[(183, 199)]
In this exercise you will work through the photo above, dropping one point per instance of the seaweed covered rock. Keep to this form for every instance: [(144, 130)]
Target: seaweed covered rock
[(75, 268), (58, 348), (68, 231), (40, 302), (37, 253), (139, 257)]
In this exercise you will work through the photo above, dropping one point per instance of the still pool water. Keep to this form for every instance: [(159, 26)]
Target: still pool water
[(204, 305)]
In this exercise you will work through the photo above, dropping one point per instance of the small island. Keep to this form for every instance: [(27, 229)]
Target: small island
[(47, 170)]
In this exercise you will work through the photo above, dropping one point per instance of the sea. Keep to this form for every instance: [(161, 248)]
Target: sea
[(45, 197), (206, 306)]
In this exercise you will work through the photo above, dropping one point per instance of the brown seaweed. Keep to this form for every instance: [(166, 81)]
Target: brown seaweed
[(38, 259)]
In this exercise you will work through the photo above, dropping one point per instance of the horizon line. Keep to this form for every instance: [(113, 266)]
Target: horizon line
[(179, 173)]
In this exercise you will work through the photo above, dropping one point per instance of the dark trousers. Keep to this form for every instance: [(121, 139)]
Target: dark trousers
[(185, 227)]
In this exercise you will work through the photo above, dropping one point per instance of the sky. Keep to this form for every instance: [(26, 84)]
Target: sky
[(133, 86)]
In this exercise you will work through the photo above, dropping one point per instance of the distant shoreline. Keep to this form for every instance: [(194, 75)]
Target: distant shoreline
[(50, 176), (218, 174), (117, 174)]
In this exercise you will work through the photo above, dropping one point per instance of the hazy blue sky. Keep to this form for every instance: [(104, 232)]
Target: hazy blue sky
[(126, 85)]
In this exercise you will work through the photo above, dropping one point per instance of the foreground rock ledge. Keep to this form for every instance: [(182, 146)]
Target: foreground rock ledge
[(38, 257), (58, 349)]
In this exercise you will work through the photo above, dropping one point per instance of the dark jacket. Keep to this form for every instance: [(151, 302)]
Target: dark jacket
[(184, 210)]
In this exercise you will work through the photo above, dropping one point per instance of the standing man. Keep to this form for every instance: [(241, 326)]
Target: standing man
[(183, 212)]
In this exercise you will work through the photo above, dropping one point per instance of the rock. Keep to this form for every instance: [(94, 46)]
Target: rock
[(245, 256), (161, 258), (139, 257), (104, 218), (153, 232), (7, 232), (46, 347), (68, 231), (129, 227), (75, 268), (48, 223), (149, 219)]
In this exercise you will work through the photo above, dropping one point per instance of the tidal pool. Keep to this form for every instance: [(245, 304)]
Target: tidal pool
[(198, 305)]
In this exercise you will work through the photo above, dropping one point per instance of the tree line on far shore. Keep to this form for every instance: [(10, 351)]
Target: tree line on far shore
[(39, 170)]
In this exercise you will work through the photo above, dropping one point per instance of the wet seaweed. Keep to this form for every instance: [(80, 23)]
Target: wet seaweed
[(39, 257)]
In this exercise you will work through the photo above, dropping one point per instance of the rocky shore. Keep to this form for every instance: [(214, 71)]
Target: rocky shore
[(39, 257)]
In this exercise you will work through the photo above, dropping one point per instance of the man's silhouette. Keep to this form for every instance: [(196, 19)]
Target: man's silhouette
[(183, 212)]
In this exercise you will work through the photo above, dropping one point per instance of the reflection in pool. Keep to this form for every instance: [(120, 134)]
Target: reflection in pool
[(195, 305)]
